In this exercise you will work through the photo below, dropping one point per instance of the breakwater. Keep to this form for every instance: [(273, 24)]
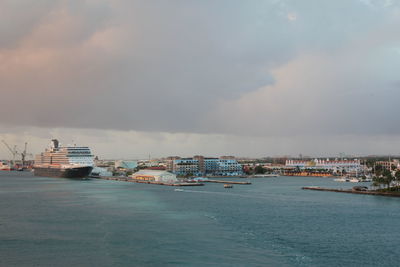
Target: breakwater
[(351, 191)]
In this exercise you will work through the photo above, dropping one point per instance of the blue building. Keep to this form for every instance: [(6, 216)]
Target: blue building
[(229, 167), (186, 166), (202, 166)]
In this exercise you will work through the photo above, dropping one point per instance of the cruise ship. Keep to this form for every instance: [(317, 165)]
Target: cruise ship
[(66, 162)]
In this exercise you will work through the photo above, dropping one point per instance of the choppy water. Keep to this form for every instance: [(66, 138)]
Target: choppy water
[(62, 222)]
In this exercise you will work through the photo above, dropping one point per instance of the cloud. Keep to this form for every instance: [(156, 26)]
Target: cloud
[(139, 69), (351, 91), (209, 67)]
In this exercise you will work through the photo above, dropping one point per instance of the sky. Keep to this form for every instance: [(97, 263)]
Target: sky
[(140, 78)]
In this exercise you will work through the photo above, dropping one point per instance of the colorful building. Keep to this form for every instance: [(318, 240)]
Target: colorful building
[(207, 166)]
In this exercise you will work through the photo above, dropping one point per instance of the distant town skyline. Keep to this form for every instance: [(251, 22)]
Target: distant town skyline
[(245, 78)]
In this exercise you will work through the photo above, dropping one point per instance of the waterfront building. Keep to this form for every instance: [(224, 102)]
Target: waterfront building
[(211, 166), (207, 166), (186, 166), (170, 162), (155, 176), (388, 165), (229, 167), (353, 165)]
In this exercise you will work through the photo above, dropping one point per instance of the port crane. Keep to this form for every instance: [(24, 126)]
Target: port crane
[(24, 154), (13, 151)]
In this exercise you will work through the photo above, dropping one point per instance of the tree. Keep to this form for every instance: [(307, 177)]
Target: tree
[(397, 175), (397, 178), (387, 178), (378, 170), (378, 181), (370, 163), (247, 171), (259, 169)]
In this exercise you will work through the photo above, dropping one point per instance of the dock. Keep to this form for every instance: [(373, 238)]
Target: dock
[(126, 179), (225, 182), (350, 191), (221, 176), (175, 184)]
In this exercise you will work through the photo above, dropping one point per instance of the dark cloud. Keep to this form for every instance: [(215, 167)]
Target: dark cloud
[(173, 65)]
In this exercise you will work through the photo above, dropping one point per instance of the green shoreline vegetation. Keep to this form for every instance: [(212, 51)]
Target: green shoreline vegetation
[(385, 177)]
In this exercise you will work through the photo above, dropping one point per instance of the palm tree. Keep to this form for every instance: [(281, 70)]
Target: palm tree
[(387, 178), (397, 179)]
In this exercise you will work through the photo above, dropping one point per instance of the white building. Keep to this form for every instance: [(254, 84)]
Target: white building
[(155, 176), (334, 165)]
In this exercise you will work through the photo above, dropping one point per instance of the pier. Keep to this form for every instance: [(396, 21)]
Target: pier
[(174, 184), (351, 191), (126, 179), (226, 182)]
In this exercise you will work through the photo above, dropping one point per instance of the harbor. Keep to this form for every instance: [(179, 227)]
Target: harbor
[(199, 133), (78, 162), (72, 161)]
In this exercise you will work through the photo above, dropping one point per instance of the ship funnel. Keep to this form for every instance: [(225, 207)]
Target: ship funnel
[(55, 143)]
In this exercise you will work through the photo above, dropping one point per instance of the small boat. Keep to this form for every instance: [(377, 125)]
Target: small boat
[(342, 179), (264, 175), (228, 186), (178, 190)]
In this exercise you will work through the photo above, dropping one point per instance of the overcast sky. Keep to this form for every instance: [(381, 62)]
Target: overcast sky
[(133, 78)]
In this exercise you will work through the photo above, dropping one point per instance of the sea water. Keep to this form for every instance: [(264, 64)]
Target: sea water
[(273, 222)]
